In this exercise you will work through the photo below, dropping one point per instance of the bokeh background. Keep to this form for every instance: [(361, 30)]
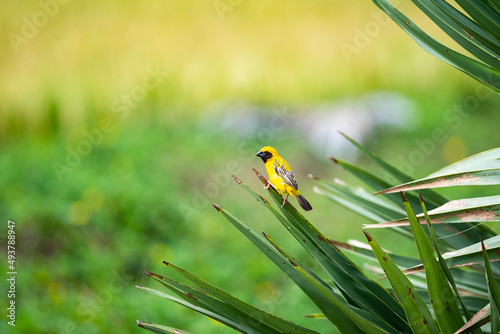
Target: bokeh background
[(121, 123)]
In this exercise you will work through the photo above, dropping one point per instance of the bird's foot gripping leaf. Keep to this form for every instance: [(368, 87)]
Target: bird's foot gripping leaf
[(284, 200)]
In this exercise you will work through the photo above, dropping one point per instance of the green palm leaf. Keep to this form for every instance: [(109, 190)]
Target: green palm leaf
[(470, 256), (480, 169), (494, 293), (333, 306), (247, 311), (482, 317), (366, 292), (486, 74), (159, 329), (444, 304), (420, 319)]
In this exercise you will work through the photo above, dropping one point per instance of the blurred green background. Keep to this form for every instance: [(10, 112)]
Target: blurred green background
[(121, 123)]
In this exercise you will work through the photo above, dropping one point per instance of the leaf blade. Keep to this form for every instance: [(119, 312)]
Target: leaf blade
[(444, 304), (252, 312), (159, 329), (370, 295), (493, 291), (475, 69), (417, 313)]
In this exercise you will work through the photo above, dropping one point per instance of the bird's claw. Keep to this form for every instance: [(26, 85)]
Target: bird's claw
[(284, 200), (268, 185)]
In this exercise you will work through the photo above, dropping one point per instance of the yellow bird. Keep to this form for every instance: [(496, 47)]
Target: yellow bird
[(281, 176)]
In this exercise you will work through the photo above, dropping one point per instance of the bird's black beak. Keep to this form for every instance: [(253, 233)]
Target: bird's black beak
[(264, 155)]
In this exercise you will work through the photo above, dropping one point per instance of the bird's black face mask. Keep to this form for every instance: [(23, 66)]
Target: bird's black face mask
[(264, 155)]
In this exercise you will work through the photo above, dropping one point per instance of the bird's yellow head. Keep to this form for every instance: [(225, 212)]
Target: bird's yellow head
[(266, 153)]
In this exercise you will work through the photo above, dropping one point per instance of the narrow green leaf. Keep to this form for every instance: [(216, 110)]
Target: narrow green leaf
[(469, 210), (159, 329), (474, 178), (376, 182), (331, 310), (251, 312), (494, 293), (443, 302), (212, 307), (494, 5), (483, 15), (479, 169), (364, 325), (388, 168), (443, 20), (463, 218), (361, 202), (479, 319), (474, 31), (471, 256), (364, 250), (444, 267), (364, 200), (466, 280), (368, 213), (430, 195), (477, 70), (417, 313), (356, 314), (367, 293), (472, 27), (200, 308)]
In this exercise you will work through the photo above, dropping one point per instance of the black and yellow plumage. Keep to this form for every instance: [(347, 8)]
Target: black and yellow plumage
[(281, 176)]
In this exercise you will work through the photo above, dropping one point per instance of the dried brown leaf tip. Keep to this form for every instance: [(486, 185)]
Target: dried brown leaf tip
[(140, 324), (172, 266), (368, 237), (259, 175), (150, 274), (334, 160), (217, 207), (405, 200), (236, 179), (263, 199)]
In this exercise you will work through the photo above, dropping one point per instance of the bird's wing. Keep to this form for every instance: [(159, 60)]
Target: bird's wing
[(284, 171)]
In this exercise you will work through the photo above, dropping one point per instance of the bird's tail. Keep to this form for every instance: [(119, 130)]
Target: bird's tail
[(303, 203)]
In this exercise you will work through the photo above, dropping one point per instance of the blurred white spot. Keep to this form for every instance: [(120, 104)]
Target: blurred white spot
[(359, 119)]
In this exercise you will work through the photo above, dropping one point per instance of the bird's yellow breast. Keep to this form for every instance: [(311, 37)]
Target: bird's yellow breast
[(276, 180)]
